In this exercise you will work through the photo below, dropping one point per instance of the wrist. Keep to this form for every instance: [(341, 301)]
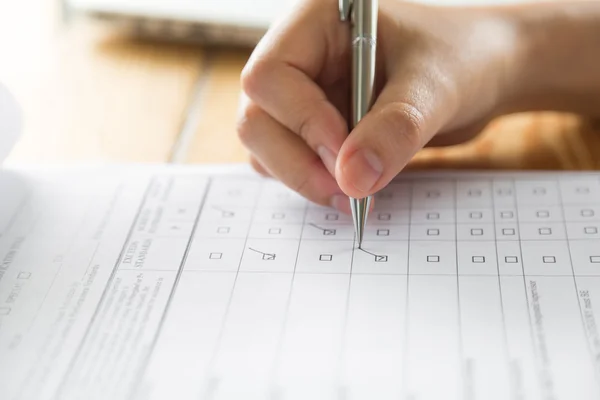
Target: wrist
[(556, 57)]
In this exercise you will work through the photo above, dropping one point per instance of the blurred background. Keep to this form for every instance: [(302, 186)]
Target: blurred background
[(158, 81)]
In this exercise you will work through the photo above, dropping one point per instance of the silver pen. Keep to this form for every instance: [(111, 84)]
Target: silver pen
[(362, 15)]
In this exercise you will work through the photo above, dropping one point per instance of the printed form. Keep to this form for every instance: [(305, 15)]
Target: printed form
[(194, 283)]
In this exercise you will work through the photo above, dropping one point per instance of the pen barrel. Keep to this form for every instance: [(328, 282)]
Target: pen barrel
[(364, 44)]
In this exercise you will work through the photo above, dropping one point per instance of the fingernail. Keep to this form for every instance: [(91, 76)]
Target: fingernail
[(341, 203), (363, 170), (328, 158)]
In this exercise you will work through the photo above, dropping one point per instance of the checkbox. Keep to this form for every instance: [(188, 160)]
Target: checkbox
[(539, 191), (332, 217), (545, 231), (329, 232), (511, 259), (507, 214), (383, 232), (590, 230), (433, 232), (268, 257), (4, 310), (475, 193), (215, 256), (433, 194), (476, 215), (542, 214), (476, 232), (274, 231), (325, 257), (433, 215), (582, 190), (508, 231), (223, 229), (595, 259), (278, 216), (549, 259), (478, 259), (381, 258), (24, 275), (433, 259), (384, 217), (587, 213)]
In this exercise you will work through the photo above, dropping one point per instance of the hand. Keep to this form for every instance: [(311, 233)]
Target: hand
[(443, 73)]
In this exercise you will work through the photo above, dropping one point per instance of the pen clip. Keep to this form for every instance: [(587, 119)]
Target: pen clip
[(345, 9)]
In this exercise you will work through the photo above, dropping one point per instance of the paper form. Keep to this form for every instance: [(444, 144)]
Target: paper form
[(194, 283)]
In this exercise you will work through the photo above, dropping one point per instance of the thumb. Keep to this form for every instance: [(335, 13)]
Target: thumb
[(404, 118)]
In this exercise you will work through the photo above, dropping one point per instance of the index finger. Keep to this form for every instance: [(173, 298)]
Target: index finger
[(283, 74)]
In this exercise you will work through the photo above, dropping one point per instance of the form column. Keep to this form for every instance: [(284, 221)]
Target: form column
[(563, 355), (374, 345), (485, 361), (432, 366), (524, 382), (249, 346), (182, 365), (581, 204)]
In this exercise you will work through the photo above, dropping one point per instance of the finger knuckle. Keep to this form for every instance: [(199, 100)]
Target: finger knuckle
[(407, 120), (253, 74), (247, 122)]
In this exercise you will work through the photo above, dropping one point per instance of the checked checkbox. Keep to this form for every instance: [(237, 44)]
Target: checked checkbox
[(268, 257), (329, 232), (381, 258)]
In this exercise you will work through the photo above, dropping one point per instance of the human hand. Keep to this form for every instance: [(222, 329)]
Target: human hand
[(442, 74)]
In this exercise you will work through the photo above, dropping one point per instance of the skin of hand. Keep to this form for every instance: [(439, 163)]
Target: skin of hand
[(442, 75)]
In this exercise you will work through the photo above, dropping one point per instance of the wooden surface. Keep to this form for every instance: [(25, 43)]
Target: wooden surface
[(88, 93)]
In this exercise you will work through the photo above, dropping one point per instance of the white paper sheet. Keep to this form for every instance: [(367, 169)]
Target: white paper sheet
[(160, 283), (10, 122)]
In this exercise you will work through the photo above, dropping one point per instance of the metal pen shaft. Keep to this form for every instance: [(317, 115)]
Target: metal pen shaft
[(364, 43)]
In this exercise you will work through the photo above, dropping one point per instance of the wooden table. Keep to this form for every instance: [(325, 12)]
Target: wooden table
[(89, 93)]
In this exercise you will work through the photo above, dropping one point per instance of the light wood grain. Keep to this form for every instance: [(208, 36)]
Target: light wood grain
[(215, 139), (97, 95), (523, 141)]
